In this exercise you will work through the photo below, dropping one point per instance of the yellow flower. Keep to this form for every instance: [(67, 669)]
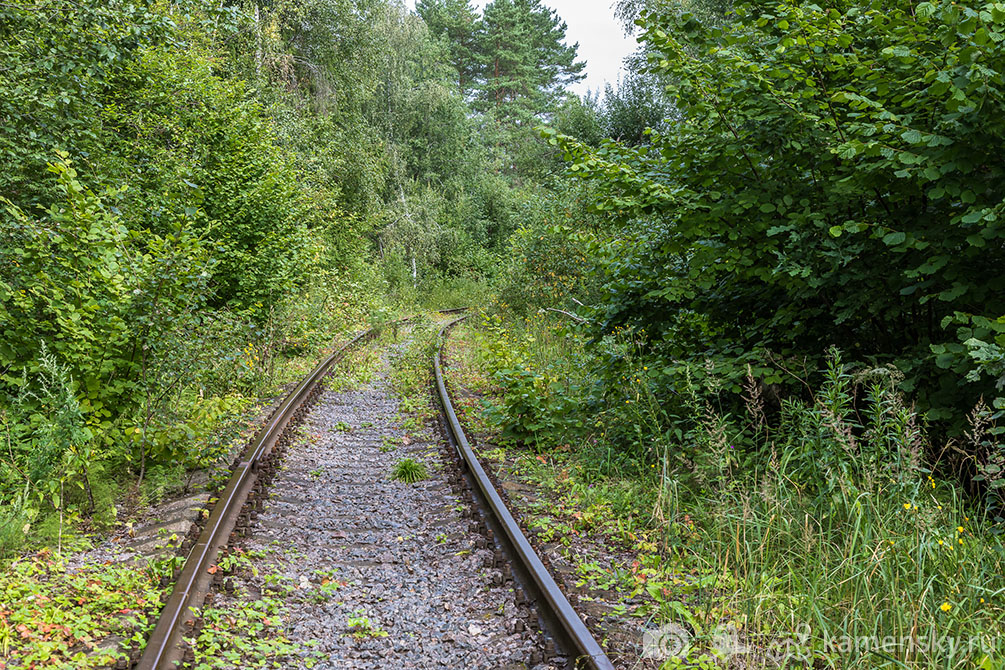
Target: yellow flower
[(907, 505), (940, 543), (945, 607), (961, 540), (959, 529), (982, 601)]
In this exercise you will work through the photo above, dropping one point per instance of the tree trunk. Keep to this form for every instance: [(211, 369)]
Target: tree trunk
[(258, 42)]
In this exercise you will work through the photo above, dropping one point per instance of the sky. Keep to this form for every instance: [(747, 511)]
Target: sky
[(602, 42)]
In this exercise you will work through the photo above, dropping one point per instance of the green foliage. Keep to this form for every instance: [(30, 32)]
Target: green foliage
[(361, 627), (456, 23), (244, 634), (52, 612), (524, 56), (409, 471), (210, 157), (539, 403), (796, 533), (46, 108), (66, 283), (831, 181), (633, 110), (547, 260)]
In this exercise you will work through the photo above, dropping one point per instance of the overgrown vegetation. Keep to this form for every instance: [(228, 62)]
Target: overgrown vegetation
[(788, 533), (203, 196), (747, 307), (54, 615), (777, 311)]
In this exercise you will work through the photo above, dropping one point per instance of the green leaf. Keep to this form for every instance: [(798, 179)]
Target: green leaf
[(893, 239)]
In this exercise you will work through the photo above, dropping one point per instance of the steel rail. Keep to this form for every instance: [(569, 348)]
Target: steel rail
[(165, 649), (565, 625)]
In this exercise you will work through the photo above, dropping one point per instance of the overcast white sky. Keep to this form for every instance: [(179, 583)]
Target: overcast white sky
[(602, 43)]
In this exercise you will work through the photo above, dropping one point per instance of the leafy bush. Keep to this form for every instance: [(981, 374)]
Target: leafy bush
[(833, 179), (537, 404)]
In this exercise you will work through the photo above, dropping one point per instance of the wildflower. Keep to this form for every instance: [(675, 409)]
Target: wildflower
[(959, 529), (961, 540), (907, 505), (940, 543), (945, 607), (982, 601)]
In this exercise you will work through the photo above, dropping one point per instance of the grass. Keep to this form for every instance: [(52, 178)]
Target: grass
[(409, 471), (823, 539)]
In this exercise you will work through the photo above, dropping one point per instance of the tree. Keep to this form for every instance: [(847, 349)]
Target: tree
[(833, 179), (638, 104), (458, 25), (526, 62)]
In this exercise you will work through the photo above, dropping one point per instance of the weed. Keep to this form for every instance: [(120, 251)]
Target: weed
[(246, 632), (409, 471), (360, 627), (53, 609)]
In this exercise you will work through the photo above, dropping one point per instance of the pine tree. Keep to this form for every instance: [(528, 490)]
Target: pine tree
[(456, 23), (526, 63)]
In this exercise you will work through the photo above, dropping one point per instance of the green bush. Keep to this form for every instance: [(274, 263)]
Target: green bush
[(539, 404), (833, 179)]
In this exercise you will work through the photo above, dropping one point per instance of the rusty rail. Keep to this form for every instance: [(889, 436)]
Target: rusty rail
[(571, 635)]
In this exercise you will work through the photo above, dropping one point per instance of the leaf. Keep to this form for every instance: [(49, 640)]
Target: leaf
[(894, 238)]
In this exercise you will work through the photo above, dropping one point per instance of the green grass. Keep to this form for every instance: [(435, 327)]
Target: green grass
[(822, 539), (409, 471)]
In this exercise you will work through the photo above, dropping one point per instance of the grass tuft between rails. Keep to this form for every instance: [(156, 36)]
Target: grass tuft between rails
[(409, 471)]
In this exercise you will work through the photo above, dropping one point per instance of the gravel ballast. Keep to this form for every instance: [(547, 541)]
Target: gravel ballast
[(380, 574)]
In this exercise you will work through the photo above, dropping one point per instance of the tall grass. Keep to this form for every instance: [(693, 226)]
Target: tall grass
[(815, 533), (829, 539)]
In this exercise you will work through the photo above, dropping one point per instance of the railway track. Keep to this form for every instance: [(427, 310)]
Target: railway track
[(335, 511)]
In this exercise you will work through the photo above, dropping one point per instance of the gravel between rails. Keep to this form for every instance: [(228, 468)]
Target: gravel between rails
[(401, 556)]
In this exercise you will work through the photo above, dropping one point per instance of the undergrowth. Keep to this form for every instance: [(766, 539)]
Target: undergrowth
[(53, 615), (819, 532)]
